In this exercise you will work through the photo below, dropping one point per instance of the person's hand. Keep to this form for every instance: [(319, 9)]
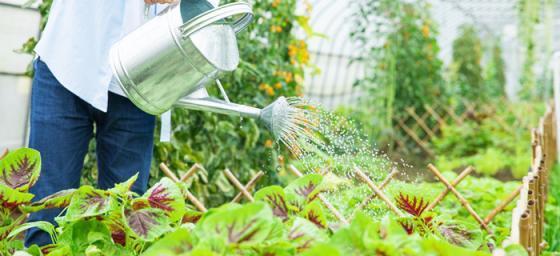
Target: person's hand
[(159, 1)]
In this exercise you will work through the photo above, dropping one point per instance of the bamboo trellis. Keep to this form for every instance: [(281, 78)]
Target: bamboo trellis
[(420, 125), (528, 218)]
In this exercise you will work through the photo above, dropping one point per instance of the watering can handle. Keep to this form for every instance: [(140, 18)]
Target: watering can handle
[(217, 14)]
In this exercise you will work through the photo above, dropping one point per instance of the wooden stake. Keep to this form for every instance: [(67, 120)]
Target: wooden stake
[(444, 193), (249, 186), (195, 201), (238, 185), (4, 153), (503, 205), (379, 193), (191, 172), (188, 194), (168, 172), (370, 197), (463, 201), (323, 200)]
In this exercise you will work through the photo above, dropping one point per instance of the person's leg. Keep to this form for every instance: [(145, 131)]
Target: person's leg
[(61, 128), (124, 137)]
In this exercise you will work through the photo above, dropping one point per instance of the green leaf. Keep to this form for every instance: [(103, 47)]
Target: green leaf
[(11, 198), (167, 196), (276, 198), (314, 212), (60, 199), (323, 250), (147, 223), (43, 225), (191, 216), (124, 187), (304, 189), (516, 250), (304, 234), (80, 235), (88, 202), (178, 242), (249, 224), (20, 169), (303, 22)]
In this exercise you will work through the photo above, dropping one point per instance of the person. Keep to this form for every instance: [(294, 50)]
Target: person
[(75, 97)]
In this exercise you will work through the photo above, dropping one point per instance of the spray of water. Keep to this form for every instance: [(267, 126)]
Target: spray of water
[(322, 141)]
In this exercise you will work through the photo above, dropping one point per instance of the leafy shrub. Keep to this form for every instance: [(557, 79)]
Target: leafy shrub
[(497, 141), (467, 68), (400, 51)]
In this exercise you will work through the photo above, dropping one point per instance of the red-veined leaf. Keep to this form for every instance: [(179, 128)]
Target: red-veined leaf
[(166, 195), (412, 204), (275, 197), (88, 202), (303, 234), (305, 188), (250, 224), (146, 224), (20, 169), (60, 199), (314, 212), (11, 198)]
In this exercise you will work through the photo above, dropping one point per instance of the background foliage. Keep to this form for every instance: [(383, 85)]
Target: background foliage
[(399, 48), (467, 68)]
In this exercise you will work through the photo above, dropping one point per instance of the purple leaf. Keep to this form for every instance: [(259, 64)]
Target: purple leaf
[(412, 204)]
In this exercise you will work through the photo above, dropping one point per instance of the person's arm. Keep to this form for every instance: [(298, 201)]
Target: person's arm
[(159, 1)]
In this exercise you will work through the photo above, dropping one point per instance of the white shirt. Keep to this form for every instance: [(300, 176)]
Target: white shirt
[(76, 42)]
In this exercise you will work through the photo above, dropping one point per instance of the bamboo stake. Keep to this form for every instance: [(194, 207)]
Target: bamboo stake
[(249, 186), (503, 204), (323, 200), (379, 193), (188, 194), (4, 153), (168, 172), (238, 185), (454, 183), (524, 230), (370, 197), (463, 201), (191, 172)]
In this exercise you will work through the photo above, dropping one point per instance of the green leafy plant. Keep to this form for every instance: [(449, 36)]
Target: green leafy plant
[(495, 142), (400, 52), (467, 68), (19, 171)]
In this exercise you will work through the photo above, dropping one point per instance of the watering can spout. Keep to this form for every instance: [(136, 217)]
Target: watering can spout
[(219, 106), (271, 116)]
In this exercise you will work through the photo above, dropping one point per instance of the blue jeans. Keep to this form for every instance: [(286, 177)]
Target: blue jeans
[(62, 125)]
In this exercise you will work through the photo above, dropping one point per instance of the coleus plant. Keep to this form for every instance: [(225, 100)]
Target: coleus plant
[(233, 229), (299, 198), (427, 224), (19, 170), (116, 219)]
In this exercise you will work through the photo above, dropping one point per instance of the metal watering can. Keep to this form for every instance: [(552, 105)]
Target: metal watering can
[(171, 58)]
